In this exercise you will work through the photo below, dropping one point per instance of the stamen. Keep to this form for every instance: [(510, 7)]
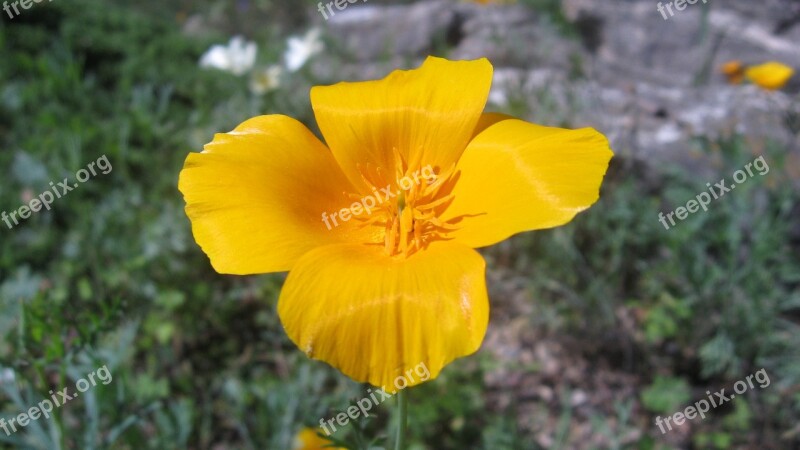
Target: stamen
[(410, 221)]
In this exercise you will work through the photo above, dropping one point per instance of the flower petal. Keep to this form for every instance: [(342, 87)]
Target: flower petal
[(310, 439), (517, 176), (216, 58), (376, 317), (256, 195), (488, 119), (427, 115)]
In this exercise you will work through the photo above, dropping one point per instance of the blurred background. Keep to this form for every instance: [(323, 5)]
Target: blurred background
[(597, 328)]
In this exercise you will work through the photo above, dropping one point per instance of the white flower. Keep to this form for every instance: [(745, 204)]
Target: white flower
[(237, 57), (7, 376), (265, 80), (301, 49)]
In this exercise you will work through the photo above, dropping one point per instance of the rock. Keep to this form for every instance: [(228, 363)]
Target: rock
[(371, 32)]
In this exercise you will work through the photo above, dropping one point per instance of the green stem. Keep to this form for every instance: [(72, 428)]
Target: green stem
[(402, 419)]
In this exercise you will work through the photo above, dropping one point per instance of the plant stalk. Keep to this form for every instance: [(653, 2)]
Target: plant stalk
[(402, 419)]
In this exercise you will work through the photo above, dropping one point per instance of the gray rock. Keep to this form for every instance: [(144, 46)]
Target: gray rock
[(371, 32)]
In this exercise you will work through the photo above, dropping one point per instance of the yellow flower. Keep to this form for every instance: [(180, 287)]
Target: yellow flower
[(734, 70), (381, 292), (308, 439), (772, 75)]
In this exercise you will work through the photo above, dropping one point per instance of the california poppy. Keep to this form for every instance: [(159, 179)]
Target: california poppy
[(382, 292)]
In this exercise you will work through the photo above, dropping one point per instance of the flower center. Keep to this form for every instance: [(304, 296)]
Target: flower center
[(408, 207)]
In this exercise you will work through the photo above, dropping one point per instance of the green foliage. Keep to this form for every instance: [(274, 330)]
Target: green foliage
[(716, 440), (666, 395), (664, 320)]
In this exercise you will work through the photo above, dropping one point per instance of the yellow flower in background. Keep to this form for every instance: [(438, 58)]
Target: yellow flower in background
[(771, 75), (386, 290), (309, 439), (734, 70)]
